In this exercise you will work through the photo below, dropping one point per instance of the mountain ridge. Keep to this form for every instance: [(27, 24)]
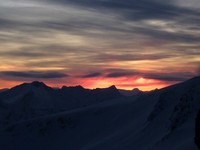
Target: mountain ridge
[(160, 120)]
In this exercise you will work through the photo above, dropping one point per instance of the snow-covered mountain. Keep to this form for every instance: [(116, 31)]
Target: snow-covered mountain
[(2, 90), (132, 92), (197, 130), (159, 120), (31, 100)]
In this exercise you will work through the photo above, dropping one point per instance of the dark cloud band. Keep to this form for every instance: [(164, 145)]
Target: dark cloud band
[(92, 75), (33, 74)]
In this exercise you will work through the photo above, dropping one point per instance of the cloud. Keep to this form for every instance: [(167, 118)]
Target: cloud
[(120, 74), (131, 57), (127, 19), (92, 75), (171, 36), (23, 53), (173, 76), (198, 71), (38, 51), (88, 34), (33, 74), (133, 9), (162, 76)]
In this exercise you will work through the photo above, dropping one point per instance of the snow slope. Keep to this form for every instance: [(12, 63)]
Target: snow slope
[(31, 100), (160, 120), (3, 90), (132, 92)]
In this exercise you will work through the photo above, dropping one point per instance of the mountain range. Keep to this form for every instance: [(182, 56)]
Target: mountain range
[(132, 92), (34, 116)]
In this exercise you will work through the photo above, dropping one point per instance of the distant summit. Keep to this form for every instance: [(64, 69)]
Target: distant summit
[(28, 98), (132, 92), (2, 90), (136, 91), (113, 87), (38, 84), (73, 87)]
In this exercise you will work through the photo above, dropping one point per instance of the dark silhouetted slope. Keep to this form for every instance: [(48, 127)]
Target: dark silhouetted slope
[(101, 119)]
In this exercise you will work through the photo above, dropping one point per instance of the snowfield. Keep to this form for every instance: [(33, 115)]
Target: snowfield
[(36, 117)]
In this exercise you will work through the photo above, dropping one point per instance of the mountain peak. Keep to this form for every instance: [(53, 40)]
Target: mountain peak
[(112, 87), (73, 87), (2, 90), (197, 79), (132, 92), (38, 84), (136, 89)]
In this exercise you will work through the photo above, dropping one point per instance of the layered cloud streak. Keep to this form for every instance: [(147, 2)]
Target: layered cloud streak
[(149, 38)]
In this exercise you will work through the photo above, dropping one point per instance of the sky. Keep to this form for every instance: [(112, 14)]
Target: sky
[(144, 44)]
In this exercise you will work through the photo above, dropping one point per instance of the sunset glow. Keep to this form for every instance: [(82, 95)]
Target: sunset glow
[(73, 43)]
